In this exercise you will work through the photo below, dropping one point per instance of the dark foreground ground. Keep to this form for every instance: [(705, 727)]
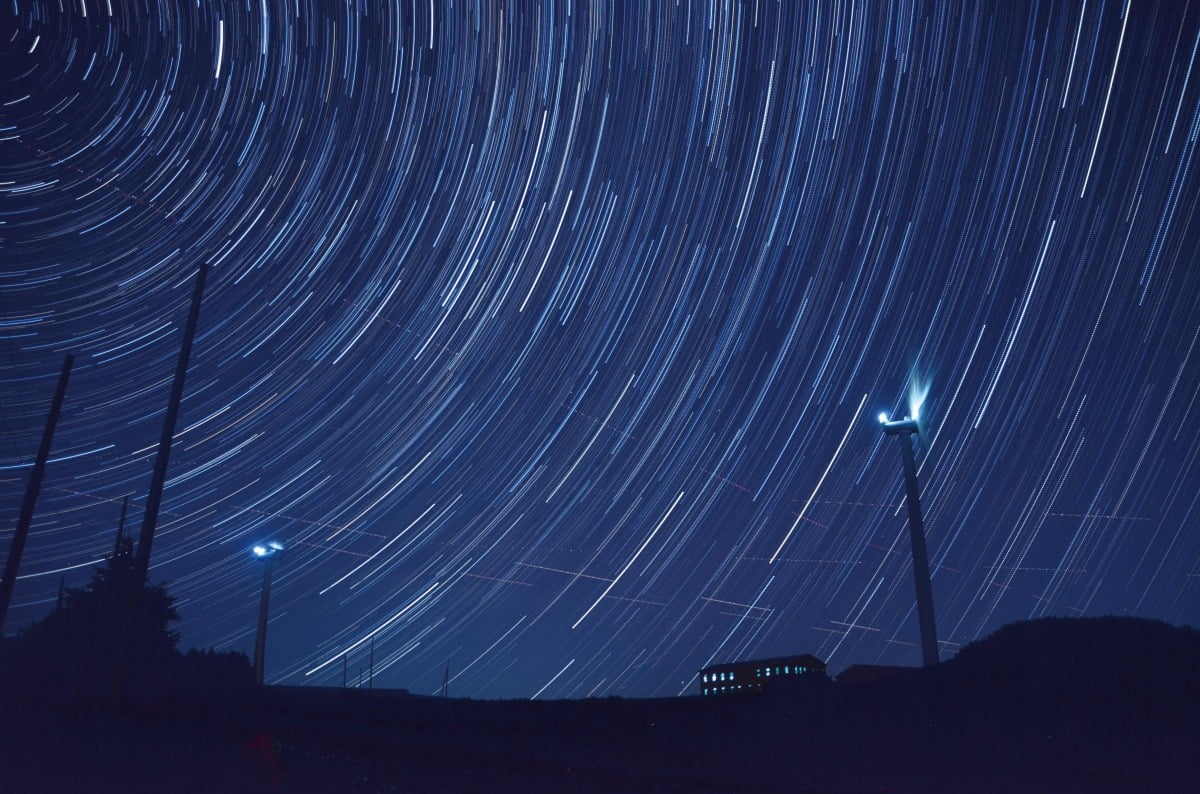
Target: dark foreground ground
[(828, 740), (1048, 706)]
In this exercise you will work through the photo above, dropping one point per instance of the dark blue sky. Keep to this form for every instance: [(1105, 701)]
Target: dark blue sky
[(550, 337)]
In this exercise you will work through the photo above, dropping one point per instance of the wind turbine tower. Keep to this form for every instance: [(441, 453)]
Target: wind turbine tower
[(903, 429)]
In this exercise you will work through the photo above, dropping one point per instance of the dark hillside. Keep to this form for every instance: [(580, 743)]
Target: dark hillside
[(1122, 668), (1103, 705)]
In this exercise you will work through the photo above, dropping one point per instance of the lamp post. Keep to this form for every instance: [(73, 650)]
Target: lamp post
[(267, 553), (903, 429)]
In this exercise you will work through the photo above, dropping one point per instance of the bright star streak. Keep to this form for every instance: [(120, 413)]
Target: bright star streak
[(824, 474), (632, 559)]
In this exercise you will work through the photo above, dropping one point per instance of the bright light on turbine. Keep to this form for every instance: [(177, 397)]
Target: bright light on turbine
[(260, 551), (882, 418), (918, 390)]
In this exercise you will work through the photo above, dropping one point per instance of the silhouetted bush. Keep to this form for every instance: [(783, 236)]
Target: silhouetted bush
[(71, 653)]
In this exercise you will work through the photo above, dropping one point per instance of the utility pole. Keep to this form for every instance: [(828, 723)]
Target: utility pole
[(31, 493), (141, 564), (121, 527), (154, 498)]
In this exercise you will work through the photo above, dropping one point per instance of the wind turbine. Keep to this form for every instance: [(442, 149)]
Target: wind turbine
[(903, 429)]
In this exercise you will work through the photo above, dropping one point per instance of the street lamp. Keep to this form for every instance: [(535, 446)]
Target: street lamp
[(903, 429), (265, 552)]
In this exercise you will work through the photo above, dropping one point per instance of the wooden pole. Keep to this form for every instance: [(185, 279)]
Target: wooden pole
[(154, 498), (31, 493), (141, 564)]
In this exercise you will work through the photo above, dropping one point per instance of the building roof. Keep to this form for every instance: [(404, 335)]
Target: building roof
[(801, 660)]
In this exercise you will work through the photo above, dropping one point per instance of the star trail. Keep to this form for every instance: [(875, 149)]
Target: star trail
[(550, 337)]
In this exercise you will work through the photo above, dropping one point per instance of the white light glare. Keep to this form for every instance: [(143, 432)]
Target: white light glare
[(918, 390), (267, 549), (882, 418)]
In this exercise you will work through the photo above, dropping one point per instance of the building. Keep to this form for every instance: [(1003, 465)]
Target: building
[(758, 675)]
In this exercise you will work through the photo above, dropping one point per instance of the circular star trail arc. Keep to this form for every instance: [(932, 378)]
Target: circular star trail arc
[(549, 336)]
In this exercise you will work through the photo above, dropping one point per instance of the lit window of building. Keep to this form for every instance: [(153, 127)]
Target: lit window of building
[(767, 674)]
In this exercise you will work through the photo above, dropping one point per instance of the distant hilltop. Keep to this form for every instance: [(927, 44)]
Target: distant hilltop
[(1085, 646), (1133, 666)]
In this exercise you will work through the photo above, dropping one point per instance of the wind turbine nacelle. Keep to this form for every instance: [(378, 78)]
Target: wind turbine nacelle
[(898, 427)]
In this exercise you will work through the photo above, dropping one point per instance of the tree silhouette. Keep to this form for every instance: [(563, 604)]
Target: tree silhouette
[(71, 650)]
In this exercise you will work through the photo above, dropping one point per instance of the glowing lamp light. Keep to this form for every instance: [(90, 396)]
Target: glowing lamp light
[(882, 418), (266, 549)]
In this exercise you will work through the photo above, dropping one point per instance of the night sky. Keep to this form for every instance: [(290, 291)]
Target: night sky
[(550, 338)]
